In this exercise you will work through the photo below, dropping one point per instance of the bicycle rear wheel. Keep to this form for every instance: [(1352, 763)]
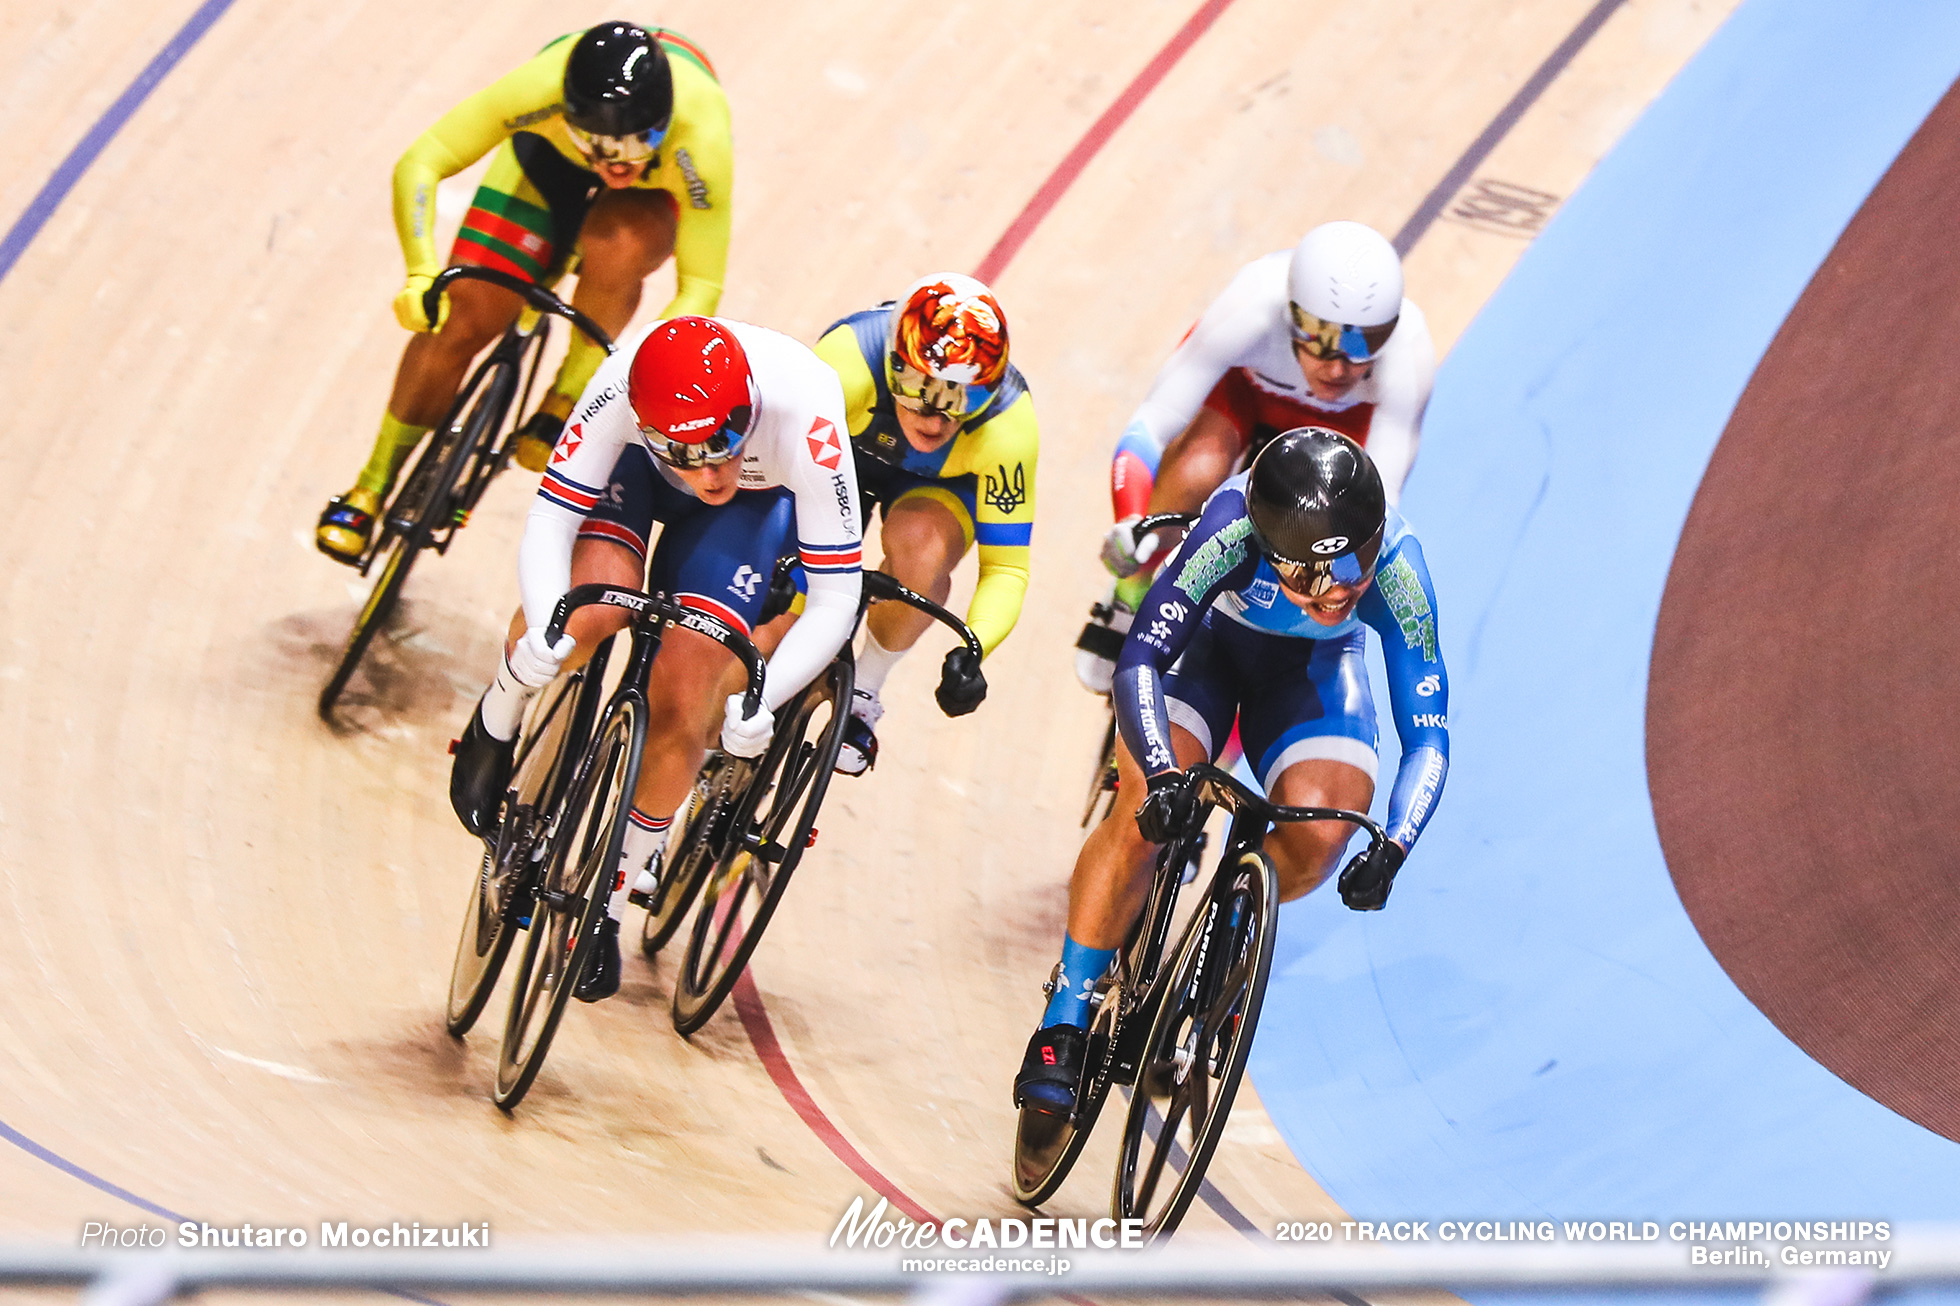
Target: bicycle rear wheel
[(690, 856), (1206, 1008), (421, 508), (1046, 1146), (748, 878), (578, 880)]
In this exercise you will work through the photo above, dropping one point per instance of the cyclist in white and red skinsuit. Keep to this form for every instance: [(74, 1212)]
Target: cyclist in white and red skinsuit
[(1319, 335), (733, 437)]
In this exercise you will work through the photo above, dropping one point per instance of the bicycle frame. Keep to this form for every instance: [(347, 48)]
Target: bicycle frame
[(1253, 815)]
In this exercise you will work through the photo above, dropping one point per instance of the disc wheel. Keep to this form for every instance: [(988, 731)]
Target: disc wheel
[(1205, 1010), (688, 857), (1102, 784), (410, 519), (1046, 1145), (579, 867), (747, 880)]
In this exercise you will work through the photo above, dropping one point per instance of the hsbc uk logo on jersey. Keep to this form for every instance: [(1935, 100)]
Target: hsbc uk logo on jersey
[(568, 443), (826, 450)]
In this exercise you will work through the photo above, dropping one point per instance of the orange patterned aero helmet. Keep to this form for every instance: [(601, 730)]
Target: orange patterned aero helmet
[(948, 345)]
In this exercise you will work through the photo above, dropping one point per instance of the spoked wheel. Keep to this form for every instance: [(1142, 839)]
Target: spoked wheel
[(491, 922), (1102, 785), (1205, 1010), (747, 880), (419, 510), (486, 937), (1046, 1145), (688, 856), (571, 902)]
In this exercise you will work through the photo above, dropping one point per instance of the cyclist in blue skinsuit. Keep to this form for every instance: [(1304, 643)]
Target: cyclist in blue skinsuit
[(1260, 615)]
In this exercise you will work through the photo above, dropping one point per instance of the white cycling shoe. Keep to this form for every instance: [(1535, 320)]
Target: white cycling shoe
[(1101, 641), (646, 882), (858, 752)]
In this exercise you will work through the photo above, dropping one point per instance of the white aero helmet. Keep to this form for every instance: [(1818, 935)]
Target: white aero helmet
[(1344, 290)]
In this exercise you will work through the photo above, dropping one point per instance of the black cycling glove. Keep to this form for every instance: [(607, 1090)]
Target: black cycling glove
[(1366, 880), (1167, 808), (961, 686)]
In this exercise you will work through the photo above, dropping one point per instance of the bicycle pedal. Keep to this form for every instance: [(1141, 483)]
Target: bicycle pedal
[(639, 899)]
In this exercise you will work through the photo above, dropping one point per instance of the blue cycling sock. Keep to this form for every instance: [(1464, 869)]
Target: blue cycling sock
[(1081, 968)]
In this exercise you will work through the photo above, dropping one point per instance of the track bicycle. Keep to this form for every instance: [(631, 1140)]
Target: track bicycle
[(749, 822), (458, 460), (1176, 1026), (1098, 638), (551, 870)]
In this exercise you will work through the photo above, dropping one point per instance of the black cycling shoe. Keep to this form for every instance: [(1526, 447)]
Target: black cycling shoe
[(480, 775), (1051, 1072), (600, 979)]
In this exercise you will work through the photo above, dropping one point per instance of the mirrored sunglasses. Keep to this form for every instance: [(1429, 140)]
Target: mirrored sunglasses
[(1323, 339), (638, 148), (724, 445), (934, 396)]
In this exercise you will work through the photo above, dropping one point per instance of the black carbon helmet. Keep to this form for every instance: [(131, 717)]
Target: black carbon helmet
[(1317, 509), (617, 82)]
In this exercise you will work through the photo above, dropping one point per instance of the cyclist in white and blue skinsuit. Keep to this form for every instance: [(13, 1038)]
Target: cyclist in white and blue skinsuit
[(1261, 616)]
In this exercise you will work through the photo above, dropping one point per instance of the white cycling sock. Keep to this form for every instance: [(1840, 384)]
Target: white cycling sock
[(875, 662), (503, 703), (645, 837)]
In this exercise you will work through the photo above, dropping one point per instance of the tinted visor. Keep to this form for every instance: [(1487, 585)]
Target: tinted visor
[(1315, 577), (930, 394), (724, 444), (637, 148), (1323, 339)]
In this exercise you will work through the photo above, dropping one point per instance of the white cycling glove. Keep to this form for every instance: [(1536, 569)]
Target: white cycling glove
[(1122, 554), (534, 663), (746, 737)]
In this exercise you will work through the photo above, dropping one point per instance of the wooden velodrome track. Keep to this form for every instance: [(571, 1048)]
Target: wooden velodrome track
[(226, 929)]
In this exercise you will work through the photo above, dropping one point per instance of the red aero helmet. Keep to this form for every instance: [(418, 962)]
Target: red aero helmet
[(692, 392)]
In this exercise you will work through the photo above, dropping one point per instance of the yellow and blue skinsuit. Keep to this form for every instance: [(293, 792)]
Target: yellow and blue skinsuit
[(984, 475)]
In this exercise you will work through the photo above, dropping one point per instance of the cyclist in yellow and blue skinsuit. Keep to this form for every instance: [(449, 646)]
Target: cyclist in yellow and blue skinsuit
[(612, 153), (943, 430)]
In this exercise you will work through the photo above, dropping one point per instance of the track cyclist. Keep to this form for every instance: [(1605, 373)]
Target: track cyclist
[(1318, 336), (1260, 616), (943, 431), (612, 152), (732, 436)]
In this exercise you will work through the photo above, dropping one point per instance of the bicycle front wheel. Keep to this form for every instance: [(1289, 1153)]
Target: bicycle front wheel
[(748, 878), (580, 865), (1206, 1008), (1102, 785), (422, 507)]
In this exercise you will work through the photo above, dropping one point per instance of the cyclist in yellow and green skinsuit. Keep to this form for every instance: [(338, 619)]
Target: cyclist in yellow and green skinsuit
[(612, 153), (943, 432)]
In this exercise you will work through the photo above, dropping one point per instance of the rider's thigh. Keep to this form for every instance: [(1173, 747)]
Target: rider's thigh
[(601, 562), (923, 539), (478, 314), (1305, 852), (627, 234), (1196, 462)]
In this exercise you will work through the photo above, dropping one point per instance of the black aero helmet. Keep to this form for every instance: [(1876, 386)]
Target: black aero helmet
[(617, 83), (1317, 509)]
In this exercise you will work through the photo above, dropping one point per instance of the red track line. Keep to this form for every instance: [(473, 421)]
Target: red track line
[(1098, 135), (762, 1035), (748, 1002)]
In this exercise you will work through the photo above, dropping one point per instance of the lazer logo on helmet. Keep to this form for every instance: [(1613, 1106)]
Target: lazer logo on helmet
[(1332, 544), (692, 424)]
